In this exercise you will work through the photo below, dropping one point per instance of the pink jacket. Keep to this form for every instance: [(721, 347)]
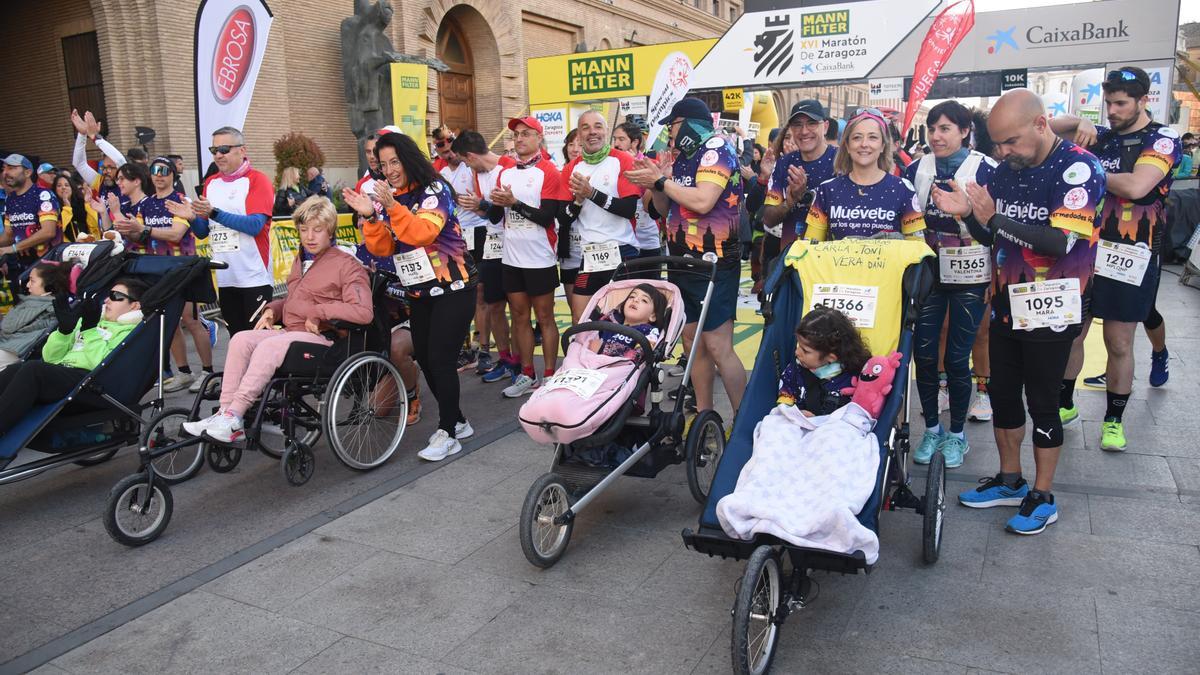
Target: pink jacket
[(335, 287)]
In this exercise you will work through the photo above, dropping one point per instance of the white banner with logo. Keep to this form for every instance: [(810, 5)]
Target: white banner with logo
[(890, 88), (231, 40), (671, 84), (554, 131)]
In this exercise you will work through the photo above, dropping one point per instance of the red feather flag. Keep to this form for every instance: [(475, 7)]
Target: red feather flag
[(948, 29)]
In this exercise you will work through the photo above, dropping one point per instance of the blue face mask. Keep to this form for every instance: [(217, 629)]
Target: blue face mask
[(828, 371)]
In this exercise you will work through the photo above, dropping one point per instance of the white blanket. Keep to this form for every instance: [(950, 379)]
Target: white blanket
[(806, 480)]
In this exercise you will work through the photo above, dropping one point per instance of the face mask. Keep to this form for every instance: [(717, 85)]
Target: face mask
[(692, 136), (828, 371)]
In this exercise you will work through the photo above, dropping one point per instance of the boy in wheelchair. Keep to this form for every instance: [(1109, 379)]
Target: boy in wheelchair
[(87, 333), (326, 284)]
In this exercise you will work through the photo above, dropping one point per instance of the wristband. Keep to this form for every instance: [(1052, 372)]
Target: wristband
[(660, 184)]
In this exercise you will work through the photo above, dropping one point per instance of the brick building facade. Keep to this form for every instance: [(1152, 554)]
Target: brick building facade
[(131, 61)]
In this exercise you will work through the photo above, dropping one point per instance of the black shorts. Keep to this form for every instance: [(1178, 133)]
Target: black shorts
[(491, 275), (1034, 368), (1118, 301), (567, 276), (587, 283), (533, 282), (477, 242)]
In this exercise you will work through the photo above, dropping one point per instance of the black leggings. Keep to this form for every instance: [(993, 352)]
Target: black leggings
[(1038, 368), (239, 304), (438, 324), (29, 383)]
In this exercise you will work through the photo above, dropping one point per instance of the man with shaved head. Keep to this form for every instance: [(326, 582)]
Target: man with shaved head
[(1039, 215)]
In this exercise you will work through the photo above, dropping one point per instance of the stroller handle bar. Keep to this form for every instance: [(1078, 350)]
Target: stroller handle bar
[(674, 263), (647, 348)]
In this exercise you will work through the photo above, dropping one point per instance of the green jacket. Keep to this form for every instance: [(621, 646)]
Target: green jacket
[(87, 348)]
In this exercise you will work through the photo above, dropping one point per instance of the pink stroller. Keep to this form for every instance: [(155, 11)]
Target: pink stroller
[(594, 410)]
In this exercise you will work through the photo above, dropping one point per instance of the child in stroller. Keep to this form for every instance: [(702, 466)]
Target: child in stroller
[(829, 351), (25, 323), (643, 310)]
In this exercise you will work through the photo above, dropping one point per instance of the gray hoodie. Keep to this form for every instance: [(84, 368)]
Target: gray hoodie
[(24, 323)]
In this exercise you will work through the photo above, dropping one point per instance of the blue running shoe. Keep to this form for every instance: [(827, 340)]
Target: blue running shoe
[(501, 371), (1037, 511), (211, 327), (953, 448), (929, 443), (1158, 368), (993, 492)]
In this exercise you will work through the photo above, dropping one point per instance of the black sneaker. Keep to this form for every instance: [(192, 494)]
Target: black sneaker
[(484, 363), (467, 359), (1100, 381)]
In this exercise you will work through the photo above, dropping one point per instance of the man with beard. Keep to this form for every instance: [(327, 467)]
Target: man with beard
[(31, 224), (1139, 157), (1038, 213), (789, 191)]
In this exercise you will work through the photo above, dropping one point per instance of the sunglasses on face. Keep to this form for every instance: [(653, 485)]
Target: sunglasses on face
[(118, 296), (444, 142), (223, 149), (161, 170)]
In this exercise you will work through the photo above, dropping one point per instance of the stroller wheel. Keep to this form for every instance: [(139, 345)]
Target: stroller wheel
[(174, 466), (755, 632), (934, 505), (298, 464), (704, 446), (136, 513), (222, 458), (543, 540)]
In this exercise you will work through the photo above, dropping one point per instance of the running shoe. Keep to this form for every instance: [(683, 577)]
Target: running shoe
[(178, 382), (520, 386), (1158, 368), (1037, 511), (211, 327), (463, 430), (1100, 381), (440, 447), (1068, 415), (414, 410), (943, 399), (924, 451), (677, 369), (1112, 435), (483, 363), (953, 448), (467, 359), (227, 428), (501, 371), (993, 492), (981, 409), (199, 426)]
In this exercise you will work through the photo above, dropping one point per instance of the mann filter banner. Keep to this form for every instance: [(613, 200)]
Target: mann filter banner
[(231, 39), (605, 75), (410, 100)]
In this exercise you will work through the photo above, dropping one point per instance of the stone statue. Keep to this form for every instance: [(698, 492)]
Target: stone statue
[(367, 79)]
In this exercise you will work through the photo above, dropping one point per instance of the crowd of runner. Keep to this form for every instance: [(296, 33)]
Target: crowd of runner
[(1039, 225)]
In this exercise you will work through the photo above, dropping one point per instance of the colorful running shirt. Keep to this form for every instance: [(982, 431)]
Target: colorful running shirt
[(623, 346), (716, 232), (526, 244), (27, 213), (843, 208), (818, 171), (152, 212), (943, 230), (245, 192), (595, 225), (793, 389), (445, 265), (1064, 191), (1141, 221)]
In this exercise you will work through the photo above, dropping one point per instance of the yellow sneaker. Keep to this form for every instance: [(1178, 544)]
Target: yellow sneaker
[(1112, 436)]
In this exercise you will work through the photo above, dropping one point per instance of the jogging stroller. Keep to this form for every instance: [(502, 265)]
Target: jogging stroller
[(881, 284), (594, 405), (105, 412)]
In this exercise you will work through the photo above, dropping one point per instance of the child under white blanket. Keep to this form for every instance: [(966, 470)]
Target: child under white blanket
[(806, 481)]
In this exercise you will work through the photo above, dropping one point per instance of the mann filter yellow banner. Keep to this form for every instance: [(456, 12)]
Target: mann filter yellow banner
[(597, 76), (410, 99)]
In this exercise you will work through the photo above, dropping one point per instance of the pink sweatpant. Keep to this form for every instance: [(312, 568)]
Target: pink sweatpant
[(250, 362)]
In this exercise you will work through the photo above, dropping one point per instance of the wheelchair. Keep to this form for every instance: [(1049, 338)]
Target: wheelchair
[(348, 392)]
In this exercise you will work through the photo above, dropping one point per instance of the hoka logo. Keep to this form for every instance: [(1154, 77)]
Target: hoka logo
[(1021, 211), (857, 213)]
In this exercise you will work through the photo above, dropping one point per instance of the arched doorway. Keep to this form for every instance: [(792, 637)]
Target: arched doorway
[(456, 87)]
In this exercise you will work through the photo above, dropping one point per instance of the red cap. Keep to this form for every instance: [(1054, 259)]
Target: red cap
[(527, 121)]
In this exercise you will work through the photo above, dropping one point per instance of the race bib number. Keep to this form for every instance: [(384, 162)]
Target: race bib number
[(493, 246), (306, 266), (413, 267), (1053, 303), (517, 221), (80, 252), (576, 243), (580, 381), (224, 240), (1122, 262), (965, 265), (601, 257), (856, 302)]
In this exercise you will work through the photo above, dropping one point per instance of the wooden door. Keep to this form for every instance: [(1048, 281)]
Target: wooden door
[(456, 88)]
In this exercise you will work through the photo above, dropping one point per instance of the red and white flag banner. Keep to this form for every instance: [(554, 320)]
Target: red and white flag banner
[(948, 29)]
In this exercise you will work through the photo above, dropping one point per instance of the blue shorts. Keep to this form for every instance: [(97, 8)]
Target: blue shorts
[(1118, 301), (722, 305)]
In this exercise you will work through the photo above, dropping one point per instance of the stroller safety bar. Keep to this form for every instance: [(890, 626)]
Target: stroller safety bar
[(681, 264), (628, 332)]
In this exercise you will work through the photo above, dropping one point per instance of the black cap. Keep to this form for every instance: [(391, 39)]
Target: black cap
[(810, 108), (688, 108)]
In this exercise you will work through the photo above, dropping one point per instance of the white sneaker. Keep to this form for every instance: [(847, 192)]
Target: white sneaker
[(463, 430), (981, 409), (943, 399), (440, 447), (195, 388), (227, 428), (177, 382), (200, 426), (519, 387)]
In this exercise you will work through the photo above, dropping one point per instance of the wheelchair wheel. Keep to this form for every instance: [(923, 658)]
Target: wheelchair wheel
[(704, 446), (98, 458), (136, 514), (755, 633), (222, 458), (271, 440), (543, 541), (164, 430), (934, 509), (297, 464), (364, 411)]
